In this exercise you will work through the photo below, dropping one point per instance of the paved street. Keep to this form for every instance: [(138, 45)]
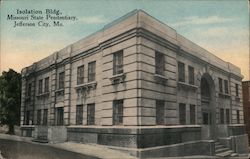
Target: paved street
[(23, 150)]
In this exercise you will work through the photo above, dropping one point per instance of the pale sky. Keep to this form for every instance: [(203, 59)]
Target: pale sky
[(219, 26)]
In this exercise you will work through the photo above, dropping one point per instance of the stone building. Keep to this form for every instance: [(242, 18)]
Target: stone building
[(246, 104), (138, 86)]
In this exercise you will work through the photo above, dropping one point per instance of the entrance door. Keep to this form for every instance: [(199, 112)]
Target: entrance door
[(207, 107)]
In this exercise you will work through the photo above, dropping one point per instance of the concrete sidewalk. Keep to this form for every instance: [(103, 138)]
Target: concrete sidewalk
[(86, 149)]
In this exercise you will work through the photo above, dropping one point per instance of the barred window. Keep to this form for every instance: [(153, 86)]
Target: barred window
[(182, 113), (59, 116), (29, 90), (160, 110), (46, 87), (39, 115), (45, 116), (226, 86), (80, 74), (61, 80), (27, 117), (222, 116), (237, 90), (91, 114), (227, 116), (220, 85), (238, 116), (181, 71), (79, 114), (159, 63), (192, 115), (40, 86), (118, 62), (190, 75), (91, 71), (118, 112)]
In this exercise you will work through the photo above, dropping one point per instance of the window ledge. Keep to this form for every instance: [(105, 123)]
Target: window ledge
[(183, 84), (43, 94), (86, 85), (224, 95), (237, 98), (119, 78), (161, 77), (59, 90)]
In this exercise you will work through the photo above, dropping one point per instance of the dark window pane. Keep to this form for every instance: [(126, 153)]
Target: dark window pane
[(220, 85), (46, 88), (181, 71), (238, 117), (91, 114), (118, 63), (222, 116), (117, 112), (226, 86), (160, 110), (191, 75), (79, 114), (59, 117), (227, 116), (91, 71), (39, 114), (182, 113), (40, 86), (45, 116), (80, 75), (159, 63), (192, 114), (61, 80), (237, 90)]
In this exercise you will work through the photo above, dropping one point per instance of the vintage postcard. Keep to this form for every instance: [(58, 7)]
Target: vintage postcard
[(124, 79)]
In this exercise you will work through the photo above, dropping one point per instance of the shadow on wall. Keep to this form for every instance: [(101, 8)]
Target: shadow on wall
[(4, 130)]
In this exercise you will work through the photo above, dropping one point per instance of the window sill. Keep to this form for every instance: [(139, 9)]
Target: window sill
[(59, 90), (237, 99), (86, 85), (223, 95), (119, 78), (186, 85), (161, 77), (43, 94)]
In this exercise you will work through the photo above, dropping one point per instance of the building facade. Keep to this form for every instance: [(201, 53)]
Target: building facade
[(136, 84), (246, 104)]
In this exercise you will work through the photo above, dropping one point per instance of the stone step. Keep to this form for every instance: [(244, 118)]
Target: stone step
[(223, 149), (234, 155), (218, 146), (224, 154)]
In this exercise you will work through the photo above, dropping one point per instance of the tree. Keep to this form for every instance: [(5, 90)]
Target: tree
[(10, 99)]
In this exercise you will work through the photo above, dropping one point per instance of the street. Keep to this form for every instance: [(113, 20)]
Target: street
[(23, 150)]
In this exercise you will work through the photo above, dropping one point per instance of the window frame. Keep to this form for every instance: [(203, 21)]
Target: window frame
[(222, 116), (226, 86), (118, 112), (80, 74), (79, 114), (160, 112), (91, 71), (39, 117), (46, 84), (182, 114), (220, 85), (61, 80), (181, 72), (60, 116), (118, 62), (192, 113), (91, 114), (40, 86), (159, 63), (191, 75), (45, 117)]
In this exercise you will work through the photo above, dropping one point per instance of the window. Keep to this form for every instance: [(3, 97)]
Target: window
[(237, 90), (91, 71), (181, 71), (206, 117), (117, 112), (46, 87), (182, 113), (191, 75), (238, 116), (29, 90), (61, 80), (220, 85), (39, 115), (27, 118), (80, 75), (192, 115), (118, 62), (227, 116), (91, 114), (79, 114), (45, 116), (159, 63), (160, 109), (59, 116), (40, 86), (226, 86), (222, 116)]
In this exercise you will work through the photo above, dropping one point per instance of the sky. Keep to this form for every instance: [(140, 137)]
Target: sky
[(219, 26)]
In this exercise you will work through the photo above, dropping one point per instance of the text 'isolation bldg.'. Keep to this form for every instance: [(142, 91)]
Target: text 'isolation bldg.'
[(139, 86)]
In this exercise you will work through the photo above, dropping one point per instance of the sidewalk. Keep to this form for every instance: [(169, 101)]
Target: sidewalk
[(86, 149)]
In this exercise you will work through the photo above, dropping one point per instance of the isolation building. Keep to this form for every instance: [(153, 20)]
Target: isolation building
[(137, 86)]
